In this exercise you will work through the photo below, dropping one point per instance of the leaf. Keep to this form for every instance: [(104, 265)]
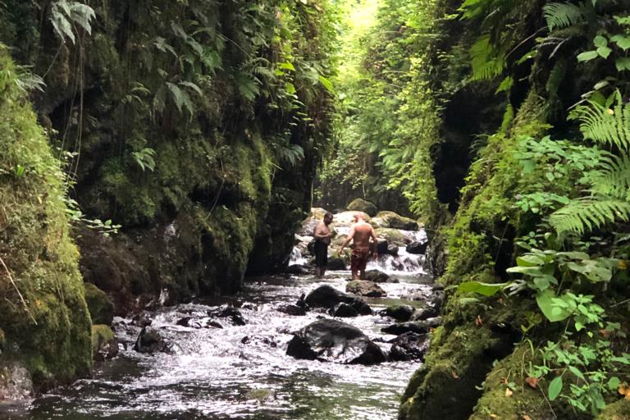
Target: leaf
[(600, 41), (555, 387), (548, 304), (613, 383), (286, 66), (587, 56), (622, 41), (622, 63), (604, 51), (327, 84), (485, 289)]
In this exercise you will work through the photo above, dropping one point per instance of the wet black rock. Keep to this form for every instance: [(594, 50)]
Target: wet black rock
[(150, 341), (188, 321), (259, 339), (326, 296), (433, 322), (343, 310), (365, 288), (409, 346), (400, 313), (419, 327), (381, 246), (376, 276), (333, 340), (392, 250), (233, 314), (437, 299), (425, 313), (417, 247), (336, 264), (297, 269), (295, 310), (141, 320)]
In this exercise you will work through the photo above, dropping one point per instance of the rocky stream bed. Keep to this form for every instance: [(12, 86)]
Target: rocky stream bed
[(285, 347)]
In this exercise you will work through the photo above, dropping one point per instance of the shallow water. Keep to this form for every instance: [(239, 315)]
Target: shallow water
[(212, 374)]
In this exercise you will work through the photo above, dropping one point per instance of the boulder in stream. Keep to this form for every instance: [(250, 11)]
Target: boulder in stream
[(333, 340), (343, 310), (417, 247), (335, 263), (326, 296), (395, 221), (104, 343), (418, 327), (365, 288), (233, 314), (400, 313), (376, 276), (290, 309), (150, 341), (409, 346), (365, 206)]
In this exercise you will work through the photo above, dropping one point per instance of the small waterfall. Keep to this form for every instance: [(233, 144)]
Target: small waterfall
[(296, 257)]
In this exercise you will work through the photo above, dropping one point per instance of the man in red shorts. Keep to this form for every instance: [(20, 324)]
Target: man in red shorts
[(361, 233)]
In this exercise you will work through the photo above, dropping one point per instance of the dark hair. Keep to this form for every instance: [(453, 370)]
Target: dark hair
[(328, 214)]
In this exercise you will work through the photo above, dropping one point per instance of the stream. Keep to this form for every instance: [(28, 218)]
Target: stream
[(242, 371)]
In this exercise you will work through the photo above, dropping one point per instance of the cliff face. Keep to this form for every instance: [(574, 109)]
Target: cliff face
[(187, 123), (44, 321)]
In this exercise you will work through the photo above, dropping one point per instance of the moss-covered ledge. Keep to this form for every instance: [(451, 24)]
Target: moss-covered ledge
[(43, 313)]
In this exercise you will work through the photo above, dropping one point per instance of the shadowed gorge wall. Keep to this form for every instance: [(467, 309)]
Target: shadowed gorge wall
[(186, 122)]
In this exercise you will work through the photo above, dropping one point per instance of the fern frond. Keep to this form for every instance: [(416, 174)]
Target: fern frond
[(613, 179), (605, 125), (487, 62), (562, 15), (588, 214)]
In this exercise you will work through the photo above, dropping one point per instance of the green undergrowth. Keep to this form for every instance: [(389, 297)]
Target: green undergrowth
[(43, 313)]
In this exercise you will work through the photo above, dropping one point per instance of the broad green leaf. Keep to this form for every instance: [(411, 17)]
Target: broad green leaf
[(529, 261), (622, 63), (485, 289), (587, 56), (327, 84), (286, 66), (555, 387), (604, 51), (600, 41), (548, 304), (622, 41)]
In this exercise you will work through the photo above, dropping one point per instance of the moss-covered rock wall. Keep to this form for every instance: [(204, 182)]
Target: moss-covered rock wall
[(186, 123), (44, 321)]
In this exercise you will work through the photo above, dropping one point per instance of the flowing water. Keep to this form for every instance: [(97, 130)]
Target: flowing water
[(239, 372)]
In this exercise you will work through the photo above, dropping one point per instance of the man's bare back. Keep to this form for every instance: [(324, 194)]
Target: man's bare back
[(362, 233)]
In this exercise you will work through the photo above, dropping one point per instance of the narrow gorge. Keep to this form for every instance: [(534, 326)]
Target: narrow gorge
[(164, 166)]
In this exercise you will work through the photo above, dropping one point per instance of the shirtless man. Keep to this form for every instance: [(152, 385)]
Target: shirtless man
[(361, 233), (322, 235)]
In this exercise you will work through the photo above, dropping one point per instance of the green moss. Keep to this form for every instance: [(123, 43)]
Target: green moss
[(619, 410), (51, 327), (517, 400), (101, 334), (100, 306)]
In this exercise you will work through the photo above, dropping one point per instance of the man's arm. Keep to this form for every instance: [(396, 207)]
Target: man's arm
[(347, 241), (373, 235)]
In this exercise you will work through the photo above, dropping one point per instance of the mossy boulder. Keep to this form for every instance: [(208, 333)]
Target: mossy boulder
[(43, 312), (619, 410), (362, 205), (104, 342), (99, 304), (392, 236), (389, 219)]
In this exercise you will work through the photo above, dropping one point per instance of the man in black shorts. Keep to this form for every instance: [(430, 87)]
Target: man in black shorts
[(322, 235)]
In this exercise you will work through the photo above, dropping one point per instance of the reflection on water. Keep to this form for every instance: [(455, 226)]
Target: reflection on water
[(238, 372)]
